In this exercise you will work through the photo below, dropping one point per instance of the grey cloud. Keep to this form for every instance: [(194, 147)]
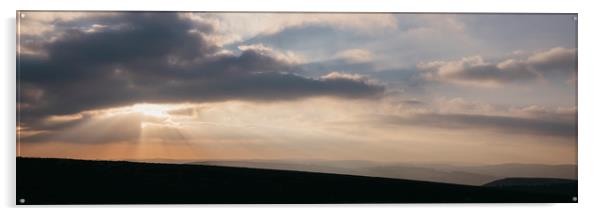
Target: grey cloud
[(562, 127), (555, 60), (154, 57), (183, 112), (412, 102), (476, 71)]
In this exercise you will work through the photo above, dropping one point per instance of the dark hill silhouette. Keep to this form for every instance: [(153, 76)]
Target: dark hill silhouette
[(66, 181)]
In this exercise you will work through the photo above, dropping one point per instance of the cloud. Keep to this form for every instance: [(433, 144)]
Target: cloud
[(460, 113), (476, 71), (470, 107), (341, 75), (235, 27), (506, 124), (558, 59), (188, 111), (127, 58), (288, 56), (355, 55), (39, 22), (92, 130)]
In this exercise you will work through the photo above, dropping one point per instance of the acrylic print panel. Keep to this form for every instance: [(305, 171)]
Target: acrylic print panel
[(198, 107)]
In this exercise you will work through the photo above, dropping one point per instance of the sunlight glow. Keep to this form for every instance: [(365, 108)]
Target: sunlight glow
[(154, 110)]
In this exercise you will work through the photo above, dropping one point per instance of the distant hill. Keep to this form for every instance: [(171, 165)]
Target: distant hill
[(65, 181), (468, 175), (526, 170), (539, 185), (428, 174), (365, 169)]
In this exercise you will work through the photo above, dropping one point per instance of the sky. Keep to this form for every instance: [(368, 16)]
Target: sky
[(397, 88)]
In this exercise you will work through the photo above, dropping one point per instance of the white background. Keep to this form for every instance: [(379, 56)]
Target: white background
[(589, 105)]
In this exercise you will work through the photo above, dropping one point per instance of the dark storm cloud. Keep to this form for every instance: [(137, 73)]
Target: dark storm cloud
[(93, 131), (127, 58), (551, 126)]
